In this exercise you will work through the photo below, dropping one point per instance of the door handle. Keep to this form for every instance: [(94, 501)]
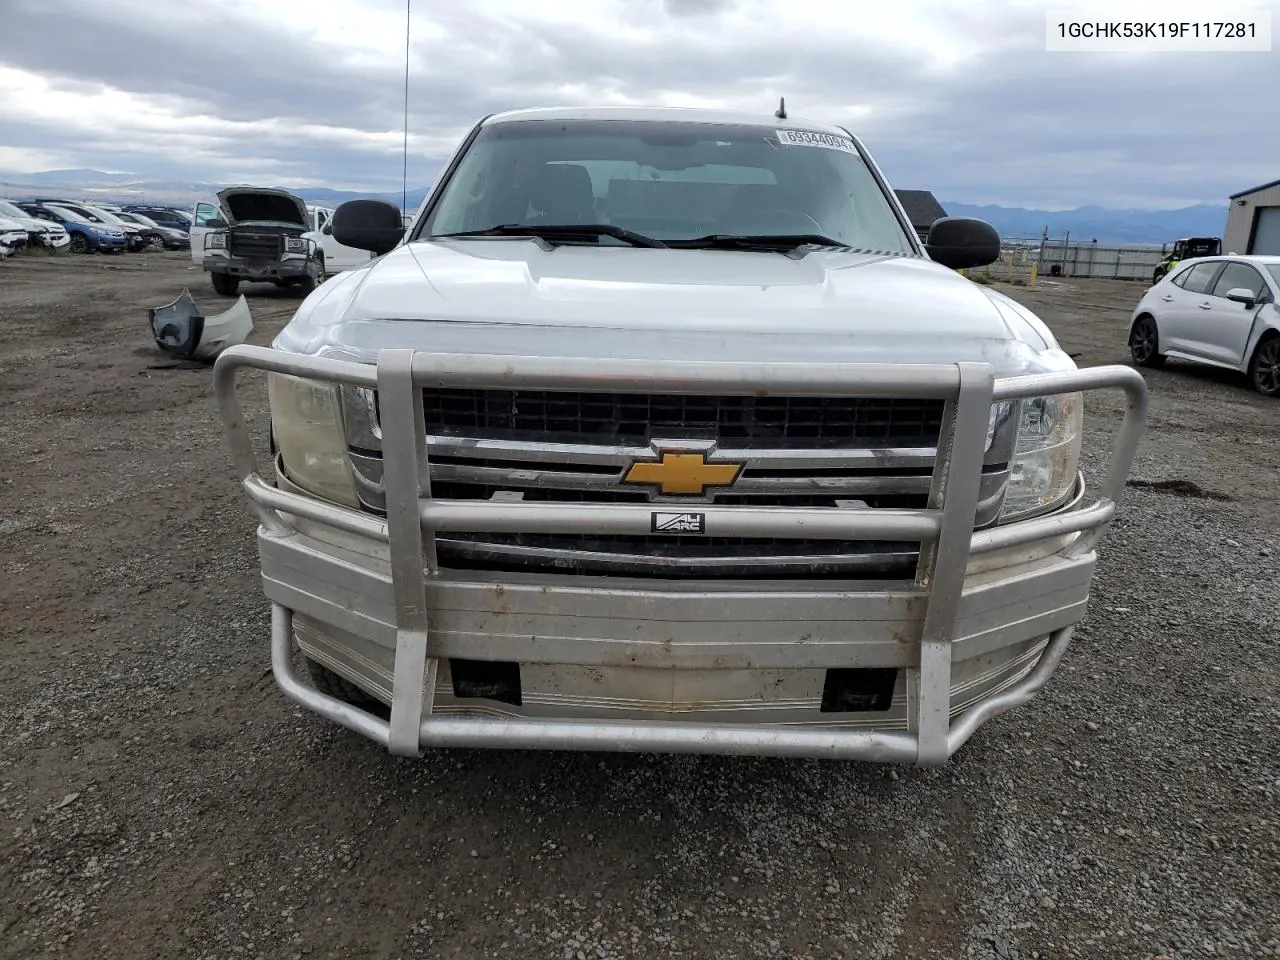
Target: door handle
[(1167, 299), (1205, 306)]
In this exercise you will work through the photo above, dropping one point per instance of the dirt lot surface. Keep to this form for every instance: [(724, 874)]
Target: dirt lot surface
[(160, 798)]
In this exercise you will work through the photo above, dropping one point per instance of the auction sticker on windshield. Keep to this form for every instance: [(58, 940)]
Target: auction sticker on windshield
[(811, 138)]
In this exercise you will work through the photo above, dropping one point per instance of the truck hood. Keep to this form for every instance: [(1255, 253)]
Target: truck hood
[(519, 298), (262, 205)]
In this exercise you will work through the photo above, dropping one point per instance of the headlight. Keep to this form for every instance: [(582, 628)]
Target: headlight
[(295, 245), (1046, 455), (215, 241), (1000, 414), (307, 421)]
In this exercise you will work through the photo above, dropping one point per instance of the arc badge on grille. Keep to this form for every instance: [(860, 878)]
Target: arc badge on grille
[(679, 470)]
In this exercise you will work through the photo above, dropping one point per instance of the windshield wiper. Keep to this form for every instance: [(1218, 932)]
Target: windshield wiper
[(557, 232), (782, 242)]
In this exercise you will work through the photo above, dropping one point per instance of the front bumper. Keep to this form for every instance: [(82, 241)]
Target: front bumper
[(678, 666), (289, 267)]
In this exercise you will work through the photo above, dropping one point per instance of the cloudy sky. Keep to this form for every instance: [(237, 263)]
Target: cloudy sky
[(958, 97)]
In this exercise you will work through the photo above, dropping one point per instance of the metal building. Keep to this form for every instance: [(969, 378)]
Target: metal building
[(1253, 221)]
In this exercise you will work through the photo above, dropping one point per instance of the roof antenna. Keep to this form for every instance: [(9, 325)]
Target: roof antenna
[(781, 112), (404, 181)]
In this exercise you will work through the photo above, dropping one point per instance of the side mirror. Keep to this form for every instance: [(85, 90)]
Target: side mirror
[(372, 225), (217, 223), (1242, 295), (959, 242)]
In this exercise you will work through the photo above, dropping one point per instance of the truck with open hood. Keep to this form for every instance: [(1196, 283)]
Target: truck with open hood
[(662, 430), (255, 234)]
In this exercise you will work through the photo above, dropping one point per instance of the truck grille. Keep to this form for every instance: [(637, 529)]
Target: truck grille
[(576, 447), (635, 419), (254, 245)]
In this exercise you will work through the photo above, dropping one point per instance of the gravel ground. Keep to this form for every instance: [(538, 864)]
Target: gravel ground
[(160, 798)]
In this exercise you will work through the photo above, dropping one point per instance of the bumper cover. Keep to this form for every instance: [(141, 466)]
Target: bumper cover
[(182, 329), (688, 666)]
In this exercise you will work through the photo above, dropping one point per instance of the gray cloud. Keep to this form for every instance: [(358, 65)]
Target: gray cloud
[(695, 8), (1004, 121)]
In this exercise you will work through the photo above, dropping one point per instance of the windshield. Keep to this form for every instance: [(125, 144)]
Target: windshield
[(105, 215), (1274, 270), (668, 180), (69, 214), (83, 214), (137, 218), (7, 209)]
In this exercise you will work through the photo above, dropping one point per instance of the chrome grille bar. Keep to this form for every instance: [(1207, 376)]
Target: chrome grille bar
[(563, 445)]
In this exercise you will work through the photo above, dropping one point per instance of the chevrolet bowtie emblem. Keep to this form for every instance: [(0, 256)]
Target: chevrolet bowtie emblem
[(682, 473)]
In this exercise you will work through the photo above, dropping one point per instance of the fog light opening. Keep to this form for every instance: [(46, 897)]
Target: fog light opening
[(858, 689), (486, 680)]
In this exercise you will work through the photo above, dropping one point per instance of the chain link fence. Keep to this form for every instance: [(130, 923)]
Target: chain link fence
[(1025, 260)]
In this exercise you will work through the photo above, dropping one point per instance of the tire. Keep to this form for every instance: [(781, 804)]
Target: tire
[(1144, 342), (340, 688), (306, 285), (225, 284), (79, 243), (1264, 368)]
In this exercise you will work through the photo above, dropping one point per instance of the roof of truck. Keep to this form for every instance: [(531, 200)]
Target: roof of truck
[(674, 114)]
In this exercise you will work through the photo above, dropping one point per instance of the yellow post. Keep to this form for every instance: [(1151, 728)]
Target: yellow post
[(1034, 272)]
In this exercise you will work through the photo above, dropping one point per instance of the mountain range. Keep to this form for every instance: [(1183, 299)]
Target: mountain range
[(1107, 226)]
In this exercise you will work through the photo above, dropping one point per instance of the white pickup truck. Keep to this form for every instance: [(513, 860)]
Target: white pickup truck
[(335, 257), (660, 430), (255, 234)]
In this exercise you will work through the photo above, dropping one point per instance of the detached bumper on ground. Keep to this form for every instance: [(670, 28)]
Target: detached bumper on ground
[(886, 671)]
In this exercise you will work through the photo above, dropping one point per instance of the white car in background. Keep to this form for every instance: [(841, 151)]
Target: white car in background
[(1220, 311), (42, 232), (335, 257), (319, 216), (13, 236)]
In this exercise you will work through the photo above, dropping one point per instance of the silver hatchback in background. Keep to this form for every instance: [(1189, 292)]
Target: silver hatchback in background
[(1219, 311)]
